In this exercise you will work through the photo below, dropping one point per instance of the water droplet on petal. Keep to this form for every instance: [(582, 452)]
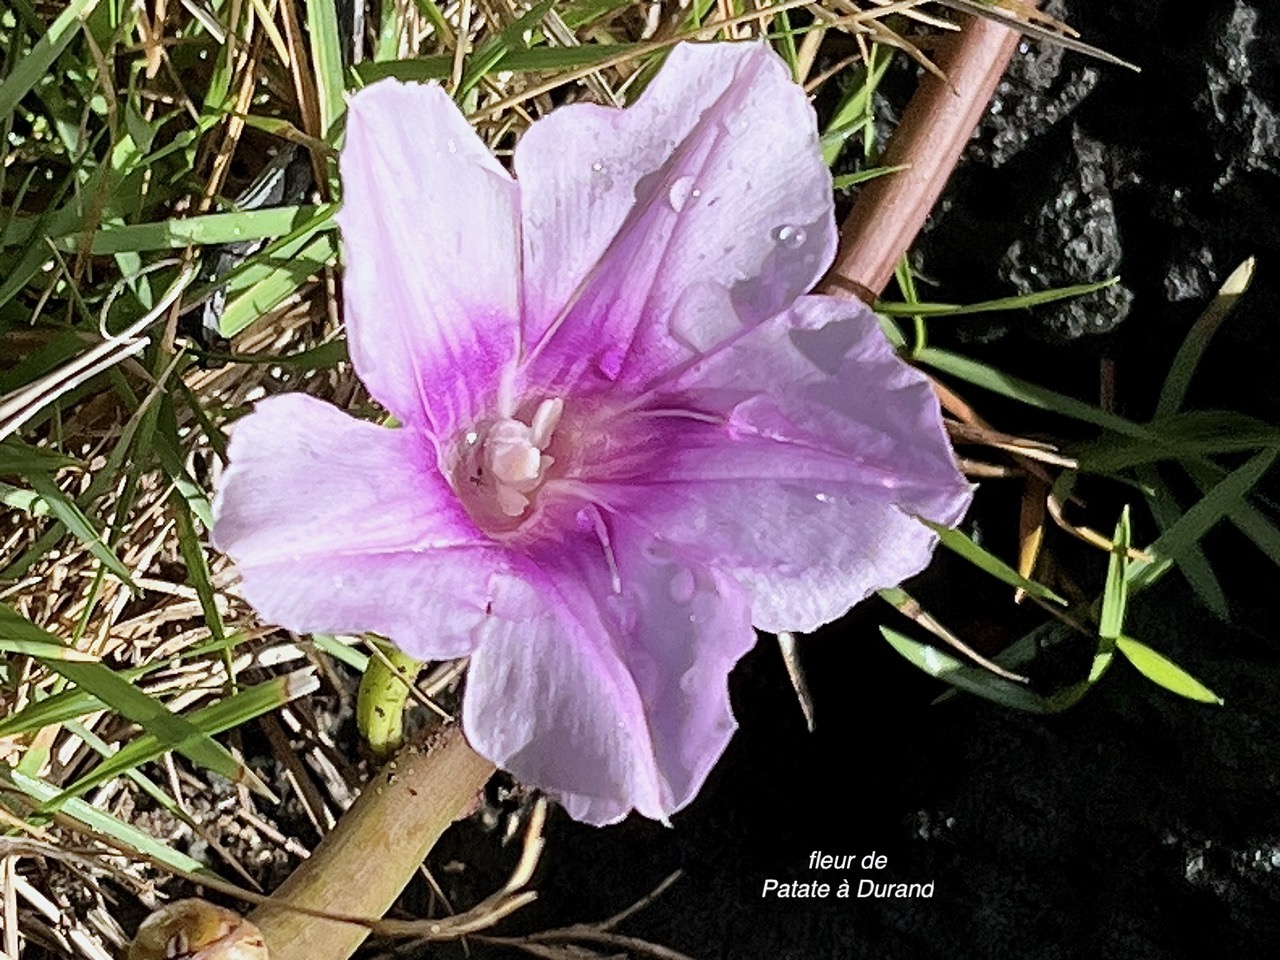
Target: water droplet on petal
[(600, 179), (823, 497), (683, 586), (680, 192), (451, 145), (789, 236)]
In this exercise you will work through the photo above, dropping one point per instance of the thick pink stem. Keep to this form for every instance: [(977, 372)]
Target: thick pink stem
[(939, 121)]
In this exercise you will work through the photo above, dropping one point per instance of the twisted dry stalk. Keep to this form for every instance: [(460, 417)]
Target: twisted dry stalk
[(365, 862)]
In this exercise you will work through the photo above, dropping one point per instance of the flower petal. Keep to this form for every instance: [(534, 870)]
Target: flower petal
[(826, 445), (342, 526), (616, 696), (713, 175), (431, 235)]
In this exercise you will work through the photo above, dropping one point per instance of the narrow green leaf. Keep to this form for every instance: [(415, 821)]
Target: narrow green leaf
[(143, 782), (1250, 521), (27, 72), (176, 732), (74, 703), (44, 650), (1023, 391), (1115, 595), (24, 501), (223, 715), (1184, 436), (1197, 340), (1193, 563), (852, 112), (414, 70), (341, 652), (392, 24), (213, 228), (73, 518), (1226, 496), (1021, 302), (326, 60), (1160, 670), (320, 357), (17, 459), (192, 550), (786, 43), (491, 53), (947, 668), (537, 60), (103, 823), (269, 283), (845, 181), (958, 543), (906, 280)]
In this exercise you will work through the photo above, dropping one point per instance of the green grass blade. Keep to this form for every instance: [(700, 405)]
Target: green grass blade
[(415, 70), (43, 650), (1224, 497), (24, 501), (320, 357), (102, 823), (60, 707), (1160, 670), (28, 71), (852, 112), (340, 651), (74, 703), (1187, 436), (18, 459), (213, 228), (958, 543), (1194, 564), (268, 283), (845, 181), (491, 53), (122, 696), (143, 782), (225, 714), (326, 60), (1174, 391), (536, 60), (947, 668), (1023, 391), (1248, 519), (73, 518), (1020, 302), (1115, 595)]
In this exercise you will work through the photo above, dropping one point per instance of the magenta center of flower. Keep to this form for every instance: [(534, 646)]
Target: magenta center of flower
[(502, 464)]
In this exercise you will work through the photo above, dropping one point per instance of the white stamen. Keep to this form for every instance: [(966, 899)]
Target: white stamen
[(513, 455), (545, 419)]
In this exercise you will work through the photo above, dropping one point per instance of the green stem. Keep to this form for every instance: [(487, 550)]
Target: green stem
[(384, 691), (364, 863)]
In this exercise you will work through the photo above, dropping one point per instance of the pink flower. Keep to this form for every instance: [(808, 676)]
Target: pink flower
[(627, 436)]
